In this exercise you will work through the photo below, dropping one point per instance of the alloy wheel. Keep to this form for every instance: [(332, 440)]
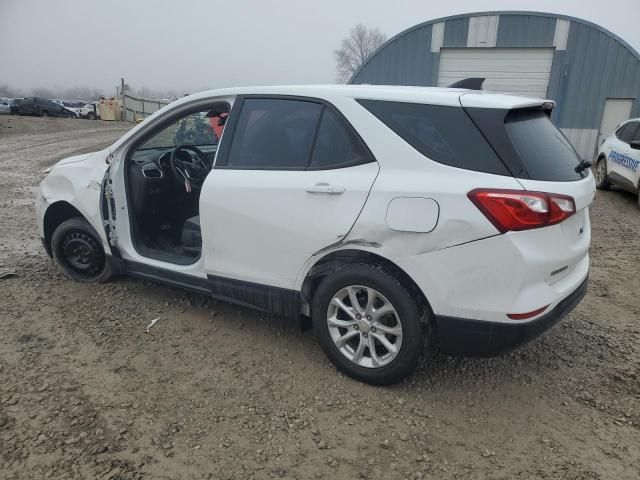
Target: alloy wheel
[(600, 172), (364, 326)]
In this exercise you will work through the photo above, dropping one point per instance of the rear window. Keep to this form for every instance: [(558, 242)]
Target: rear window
[(544, 151), (441, 133), (528, 143)]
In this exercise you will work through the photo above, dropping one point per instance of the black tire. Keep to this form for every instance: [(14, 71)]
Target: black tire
[(602, 179), (44, 114), (413, 320), (78, 251), (91, 116)]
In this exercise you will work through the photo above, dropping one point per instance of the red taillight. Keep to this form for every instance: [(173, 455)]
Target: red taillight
[(512, 210), (524, 316)]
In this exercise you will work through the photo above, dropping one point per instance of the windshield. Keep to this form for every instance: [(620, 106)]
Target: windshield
[(198, 129)]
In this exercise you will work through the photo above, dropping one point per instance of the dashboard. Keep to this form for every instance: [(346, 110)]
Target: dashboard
[(153, 163)]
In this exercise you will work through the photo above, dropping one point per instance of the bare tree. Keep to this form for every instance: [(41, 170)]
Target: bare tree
[(355, 49), (8, 91), (43, 92)]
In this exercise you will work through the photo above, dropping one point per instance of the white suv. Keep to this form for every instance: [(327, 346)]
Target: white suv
[(618, 160), (397, 218)]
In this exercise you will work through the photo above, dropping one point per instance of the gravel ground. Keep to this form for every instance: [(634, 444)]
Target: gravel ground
[(215, 391)]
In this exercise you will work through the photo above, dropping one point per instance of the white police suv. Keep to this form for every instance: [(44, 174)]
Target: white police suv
[(396, 218), (618, 160)]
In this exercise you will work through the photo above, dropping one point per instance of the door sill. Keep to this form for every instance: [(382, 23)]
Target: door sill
[(163, 256), (275, 300)]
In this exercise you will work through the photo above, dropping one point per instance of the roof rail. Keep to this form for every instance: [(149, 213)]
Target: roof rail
[(474, 83)]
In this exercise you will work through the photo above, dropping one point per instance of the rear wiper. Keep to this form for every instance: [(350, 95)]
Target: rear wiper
[(582, 166)]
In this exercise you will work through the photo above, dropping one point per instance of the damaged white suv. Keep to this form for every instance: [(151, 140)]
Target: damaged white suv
[(396, 218)]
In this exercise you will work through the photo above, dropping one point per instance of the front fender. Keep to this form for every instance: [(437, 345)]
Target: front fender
[(79, 184)]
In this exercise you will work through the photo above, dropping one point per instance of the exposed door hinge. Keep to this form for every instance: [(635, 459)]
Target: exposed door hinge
[(113, 237), (111, 210)]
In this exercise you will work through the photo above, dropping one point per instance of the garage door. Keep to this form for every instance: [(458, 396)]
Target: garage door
[(524, 71)]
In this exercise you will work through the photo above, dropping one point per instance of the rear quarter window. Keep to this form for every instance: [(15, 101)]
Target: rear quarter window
[(442, 133)]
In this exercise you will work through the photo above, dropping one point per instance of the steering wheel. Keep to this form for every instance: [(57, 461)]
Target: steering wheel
[(188, 174)]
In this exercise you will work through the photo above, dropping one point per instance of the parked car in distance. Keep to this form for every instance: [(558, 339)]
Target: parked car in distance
[(89, 111), (69, 106), (5, 107), (40, 107), (618, 161), (396, 218)]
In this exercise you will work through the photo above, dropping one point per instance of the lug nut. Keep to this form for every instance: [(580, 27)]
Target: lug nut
[(365, 335), (369, 317), (356, 327), (373, 329), (358, 316)]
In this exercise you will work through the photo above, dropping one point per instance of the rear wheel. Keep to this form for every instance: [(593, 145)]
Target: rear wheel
[(602, 181), (91, 116), (78, 251), (368, 324), (44, 114)]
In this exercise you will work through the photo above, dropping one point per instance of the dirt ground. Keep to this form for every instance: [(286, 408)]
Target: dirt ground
[(215, 391)]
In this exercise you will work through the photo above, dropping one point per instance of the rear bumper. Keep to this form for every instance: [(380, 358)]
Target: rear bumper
[(478, 338)]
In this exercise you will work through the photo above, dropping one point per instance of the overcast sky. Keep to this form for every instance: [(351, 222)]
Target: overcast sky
[(191, 45)]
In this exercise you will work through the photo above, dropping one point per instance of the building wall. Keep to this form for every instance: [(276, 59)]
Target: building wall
[(590, 64)]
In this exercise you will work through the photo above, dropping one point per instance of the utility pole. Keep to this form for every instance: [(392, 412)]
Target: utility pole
[(124, 103)]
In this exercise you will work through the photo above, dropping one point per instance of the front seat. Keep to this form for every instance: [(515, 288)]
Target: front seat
[(191, 236)]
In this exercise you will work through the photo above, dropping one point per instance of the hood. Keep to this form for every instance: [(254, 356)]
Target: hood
[(73, 159)]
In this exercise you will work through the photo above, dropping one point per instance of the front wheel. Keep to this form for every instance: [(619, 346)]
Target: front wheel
[(44, 114), (78, 251), (368, 324), (602, 179)]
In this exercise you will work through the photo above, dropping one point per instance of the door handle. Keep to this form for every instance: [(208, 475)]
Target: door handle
[(326, 188)]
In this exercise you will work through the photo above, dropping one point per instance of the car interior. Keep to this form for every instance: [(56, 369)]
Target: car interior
[(164, 176)]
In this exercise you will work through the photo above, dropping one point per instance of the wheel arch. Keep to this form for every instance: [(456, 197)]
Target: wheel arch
[(338, 258), (55, 214)]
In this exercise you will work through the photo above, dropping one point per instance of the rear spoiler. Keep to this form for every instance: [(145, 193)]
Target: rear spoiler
[(503, 101)]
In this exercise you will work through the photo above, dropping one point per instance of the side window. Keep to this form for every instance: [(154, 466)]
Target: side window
[(627, 131), (442, 133), (636, 137), (274, 134), (337, 145)]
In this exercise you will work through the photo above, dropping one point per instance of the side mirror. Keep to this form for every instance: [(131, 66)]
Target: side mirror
[(635, 145)]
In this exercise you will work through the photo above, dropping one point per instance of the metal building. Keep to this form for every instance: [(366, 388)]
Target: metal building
[(592, 74)]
